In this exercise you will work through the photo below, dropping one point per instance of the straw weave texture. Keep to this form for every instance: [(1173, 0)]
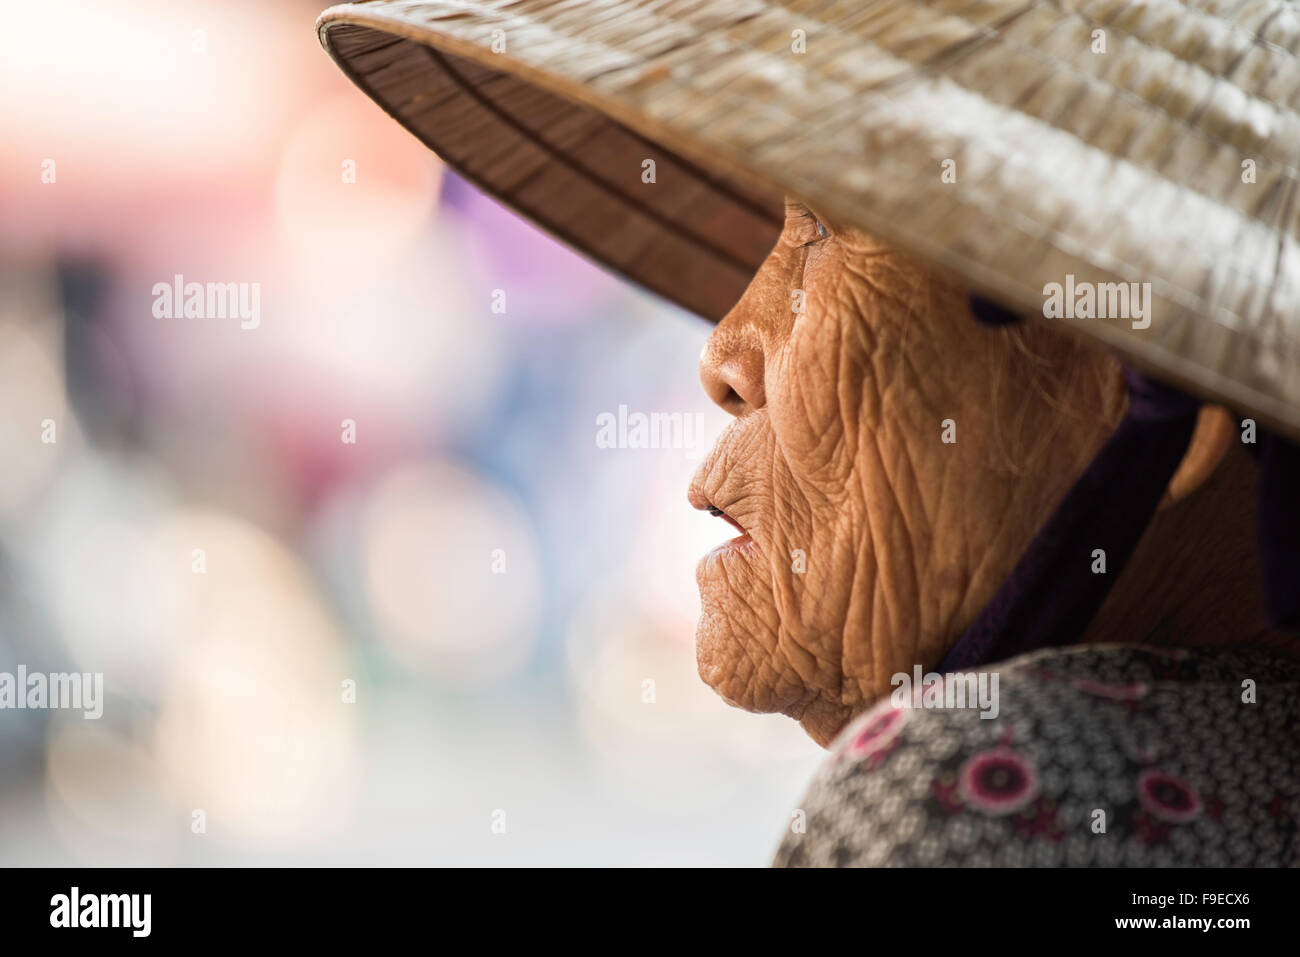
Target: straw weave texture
[(1123, 166)]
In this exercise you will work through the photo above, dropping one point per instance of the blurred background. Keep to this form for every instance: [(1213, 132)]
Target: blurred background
[(513, 605)]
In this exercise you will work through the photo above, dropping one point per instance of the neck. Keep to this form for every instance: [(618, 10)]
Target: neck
[(1194, 580)]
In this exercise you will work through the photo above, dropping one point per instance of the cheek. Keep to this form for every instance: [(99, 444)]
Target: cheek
[(819, 400), (826, 350), (821, 559)]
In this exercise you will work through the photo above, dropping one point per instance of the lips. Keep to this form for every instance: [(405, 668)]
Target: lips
[(727, 486), (723, 485), (701, 501), (719, 513)]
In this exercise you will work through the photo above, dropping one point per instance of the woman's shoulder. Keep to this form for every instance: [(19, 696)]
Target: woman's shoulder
[(1105, 756)]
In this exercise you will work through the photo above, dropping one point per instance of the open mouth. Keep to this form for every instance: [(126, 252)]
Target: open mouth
[(719, 513), (713, 492), (742, 539)]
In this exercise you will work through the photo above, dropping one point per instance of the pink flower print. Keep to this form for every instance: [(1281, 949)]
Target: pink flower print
[(998, 781), (1166, 797)]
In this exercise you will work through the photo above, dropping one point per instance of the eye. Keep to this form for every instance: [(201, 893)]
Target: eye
[(808, 223)]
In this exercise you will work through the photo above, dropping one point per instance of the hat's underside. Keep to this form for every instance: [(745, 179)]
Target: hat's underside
[(688, 233)]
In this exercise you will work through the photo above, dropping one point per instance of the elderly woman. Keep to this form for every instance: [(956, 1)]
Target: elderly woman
[(987, 278)]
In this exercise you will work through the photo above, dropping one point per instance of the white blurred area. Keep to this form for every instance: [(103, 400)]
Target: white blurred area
[(514, 605)]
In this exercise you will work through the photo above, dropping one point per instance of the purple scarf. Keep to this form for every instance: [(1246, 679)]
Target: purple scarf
[(1053, 592)]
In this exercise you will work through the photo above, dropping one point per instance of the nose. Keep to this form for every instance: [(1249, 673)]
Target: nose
[(731, 367)]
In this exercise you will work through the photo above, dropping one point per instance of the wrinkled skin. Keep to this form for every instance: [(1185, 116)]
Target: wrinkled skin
[(836, 452)]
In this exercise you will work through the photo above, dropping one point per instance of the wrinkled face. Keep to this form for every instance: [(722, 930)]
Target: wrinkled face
[(889, 461)]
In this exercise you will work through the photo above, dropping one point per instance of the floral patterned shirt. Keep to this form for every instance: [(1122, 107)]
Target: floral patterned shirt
[(1098, 756)]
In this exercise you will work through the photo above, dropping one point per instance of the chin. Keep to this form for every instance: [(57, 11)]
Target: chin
[(726, 627), (726, 667), (725, 652), (716, 654), (824, 722)]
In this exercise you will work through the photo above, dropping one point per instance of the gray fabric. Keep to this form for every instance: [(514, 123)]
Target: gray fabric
[(1159, 741)]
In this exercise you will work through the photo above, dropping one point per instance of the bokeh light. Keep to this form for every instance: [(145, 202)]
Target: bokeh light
[(357, 578), (451, 569)]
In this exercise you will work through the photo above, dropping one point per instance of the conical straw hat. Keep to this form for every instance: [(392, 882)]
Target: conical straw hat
[(1016, 143)]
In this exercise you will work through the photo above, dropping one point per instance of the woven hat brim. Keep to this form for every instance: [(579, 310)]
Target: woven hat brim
[(695, 235), (985, 137)]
